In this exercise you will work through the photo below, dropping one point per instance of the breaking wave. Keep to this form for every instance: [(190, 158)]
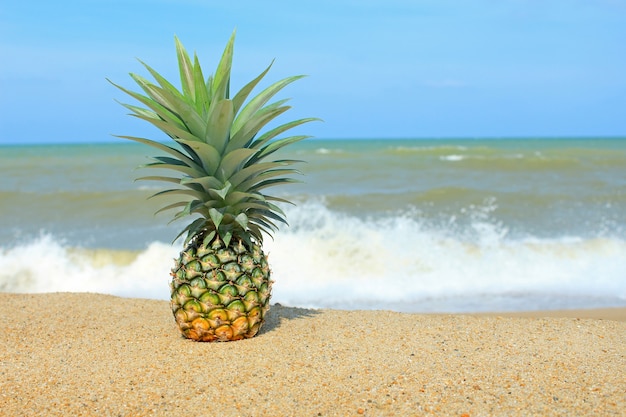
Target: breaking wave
[(328, 259)]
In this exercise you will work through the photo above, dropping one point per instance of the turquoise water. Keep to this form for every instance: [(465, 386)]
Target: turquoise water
[(411, 225)]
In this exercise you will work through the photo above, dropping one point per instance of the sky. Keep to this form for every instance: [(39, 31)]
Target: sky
[(375, 69)]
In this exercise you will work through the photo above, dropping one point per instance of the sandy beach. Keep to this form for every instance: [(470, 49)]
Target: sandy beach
[(67, 354)]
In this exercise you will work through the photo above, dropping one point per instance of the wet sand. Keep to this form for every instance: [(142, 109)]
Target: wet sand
[(98, 355)]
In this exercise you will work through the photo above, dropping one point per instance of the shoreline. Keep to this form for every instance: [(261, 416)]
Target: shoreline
[(93, 354), (605, 313)]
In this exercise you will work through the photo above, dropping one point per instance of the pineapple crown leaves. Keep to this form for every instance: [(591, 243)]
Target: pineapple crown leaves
[(220, 155)]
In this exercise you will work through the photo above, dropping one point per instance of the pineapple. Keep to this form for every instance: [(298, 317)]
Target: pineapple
[(221, 285)]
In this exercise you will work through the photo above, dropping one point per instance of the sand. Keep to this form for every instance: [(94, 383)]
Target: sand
[(97, 355)]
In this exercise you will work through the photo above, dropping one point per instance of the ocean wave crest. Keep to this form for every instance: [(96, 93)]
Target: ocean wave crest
[(332, 260)]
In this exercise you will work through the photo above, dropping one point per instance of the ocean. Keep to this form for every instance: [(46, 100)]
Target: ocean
[(443, 225)]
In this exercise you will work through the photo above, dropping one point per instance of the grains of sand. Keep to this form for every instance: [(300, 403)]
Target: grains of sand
[(97, 355)]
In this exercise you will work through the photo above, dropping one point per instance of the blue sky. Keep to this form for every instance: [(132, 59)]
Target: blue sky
[(376, 69)]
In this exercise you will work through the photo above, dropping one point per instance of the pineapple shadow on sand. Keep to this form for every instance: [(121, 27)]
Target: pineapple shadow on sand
[(278, 314)]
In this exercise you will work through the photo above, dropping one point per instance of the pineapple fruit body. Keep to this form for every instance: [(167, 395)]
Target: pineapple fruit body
[(218, 292)]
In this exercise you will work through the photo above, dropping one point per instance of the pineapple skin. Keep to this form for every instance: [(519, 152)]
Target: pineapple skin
[(220, 293)]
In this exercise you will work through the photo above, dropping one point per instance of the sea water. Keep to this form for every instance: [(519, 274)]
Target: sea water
[(407, 225)]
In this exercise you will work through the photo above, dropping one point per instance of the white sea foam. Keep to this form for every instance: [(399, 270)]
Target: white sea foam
[(422, 148), (322, 151), (459, 157), (452, 158), (332, 260), (327, 151), (46, 265)]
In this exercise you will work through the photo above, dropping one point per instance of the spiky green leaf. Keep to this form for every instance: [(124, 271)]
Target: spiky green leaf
[(243, 94), (171, 206), (191, 207), (257, 121), (221, 81), (275, 146), (242, 220), (178, 155), (278, 199), (159, 109), (236, 197), (185, 69), (271, 134), (175, 165), (159, 178), (207, 183), (232, 162), (175, 131), (140, 111), (192, 230), (185, 111), (202, 98), (256, 179), (252, 171), (222, 193), (260, 100), (163, 82), (209, 156), (220, 119), (216, 217), (178, 191)]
